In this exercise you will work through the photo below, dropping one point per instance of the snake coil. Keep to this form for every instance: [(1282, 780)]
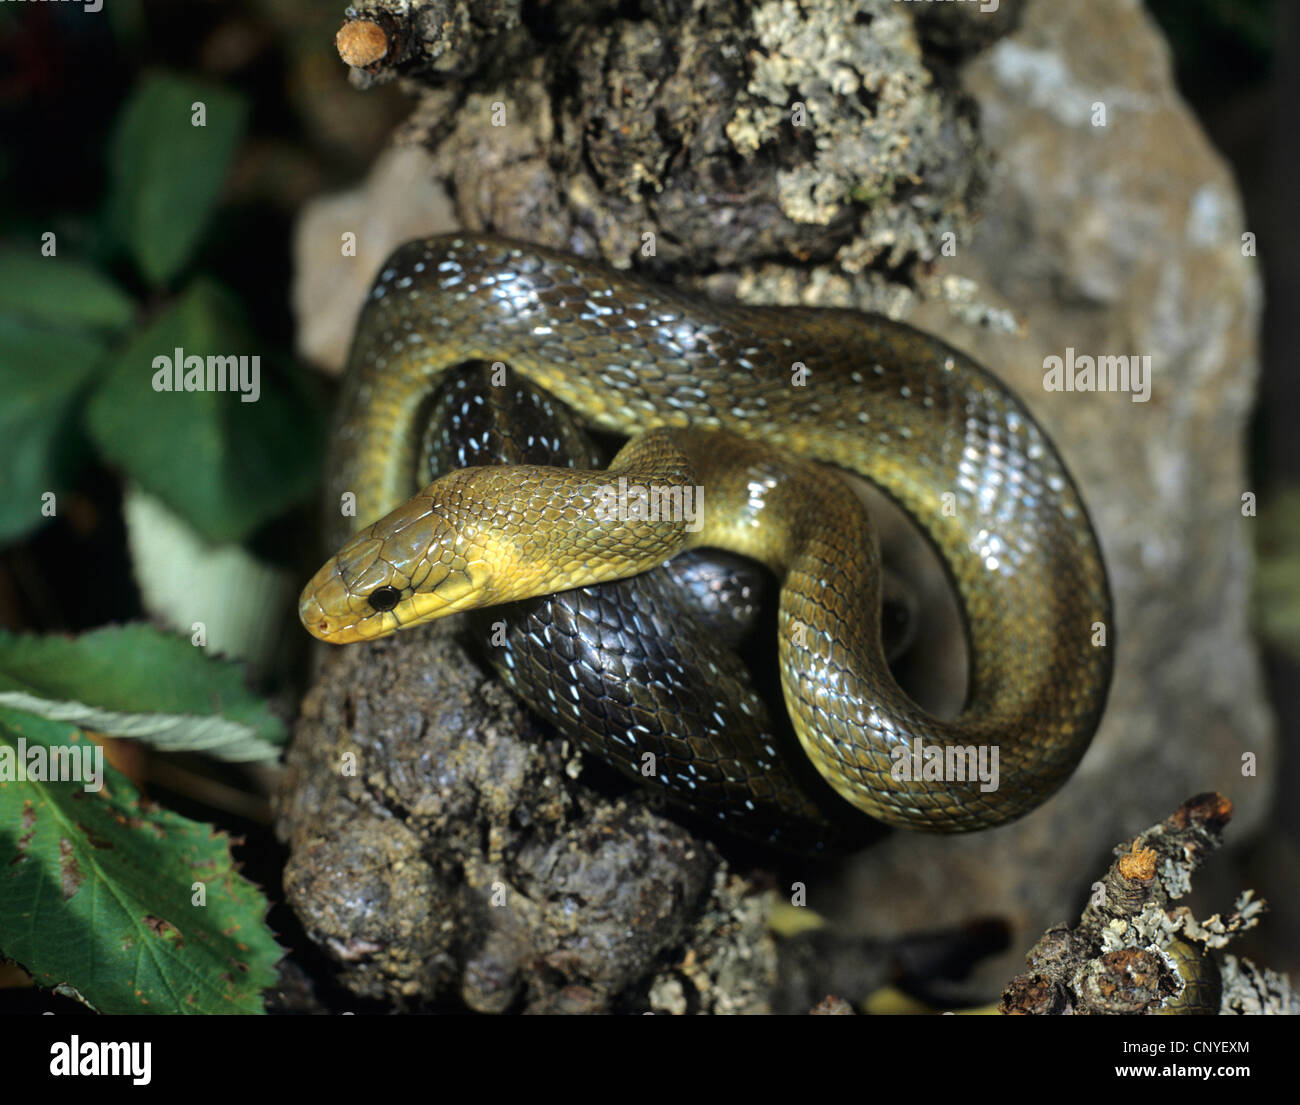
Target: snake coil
[(736, 402)]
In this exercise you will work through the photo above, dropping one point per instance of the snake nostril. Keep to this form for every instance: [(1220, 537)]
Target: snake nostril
[(324, 625)]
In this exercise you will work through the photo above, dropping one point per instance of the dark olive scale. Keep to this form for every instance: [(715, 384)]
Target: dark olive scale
[(935, 431)]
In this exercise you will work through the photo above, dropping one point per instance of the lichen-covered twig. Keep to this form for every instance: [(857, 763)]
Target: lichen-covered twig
[(1134, 952), (383, 39)]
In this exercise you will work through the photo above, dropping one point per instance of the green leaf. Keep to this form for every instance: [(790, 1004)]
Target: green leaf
[(224, 465), (166, 173), (65, 293), (42, 375), (242, 600), (1277, 574), (98, 895), (133, 681), (126, 19)]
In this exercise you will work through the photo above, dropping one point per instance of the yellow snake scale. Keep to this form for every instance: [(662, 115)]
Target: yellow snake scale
[(751, 404)]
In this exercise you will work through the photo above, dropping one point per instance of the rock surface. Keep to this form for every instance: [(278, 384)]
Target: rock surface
[(440, 849)]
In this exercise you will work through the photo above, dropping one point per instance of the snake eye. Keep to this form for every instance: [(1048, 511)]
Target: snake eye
[(384, 598)]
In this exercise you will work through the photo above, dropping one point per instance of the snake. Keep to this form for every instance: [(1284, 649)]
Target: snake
[(1201, 979), (754, 412), (644, 671)]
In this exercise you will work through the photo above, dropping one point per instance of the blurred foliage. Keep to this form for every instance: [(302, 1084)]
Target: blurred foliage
[(44, 373), (226, 466), (135, 681), (125, 237), (167, 169), (227, 590), (70, 294), (1277, 584)]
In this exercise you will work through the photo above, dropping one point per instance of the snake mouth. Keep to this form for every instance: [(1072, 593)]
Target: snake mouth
[(332, 612), (322, 626)]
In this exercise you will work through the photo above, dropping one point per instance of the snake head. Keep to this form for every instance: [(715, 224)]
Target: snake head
[(413, 565)]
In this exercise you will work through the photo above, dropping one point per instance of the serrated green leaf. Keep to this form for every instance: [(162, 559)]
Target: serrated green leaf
[(61, 292), (43, 373), (133, 681), (98, 890), (224, 465), (213, 736), (166, 173)]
